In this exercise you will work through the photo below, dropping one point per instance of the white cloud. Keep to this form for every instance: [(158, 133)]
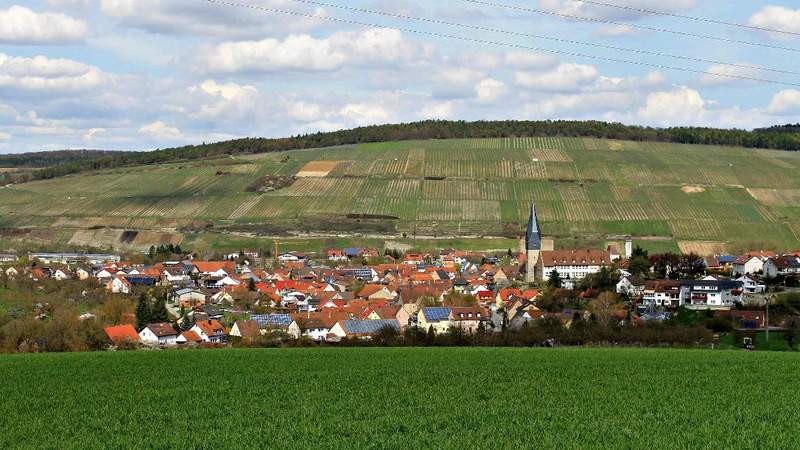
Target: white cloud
[(441, 110), (306, 53), (362, 114), (160, 130), (785, 102), (682, 106), (529, 60), (304, 111), (93, 133), (20, 25), (43, 73), (566, 77), (577, 8), (777, 17), (204, 19), (616, 31), (489, 90), (227, 99), (4, 137), (732, 73)]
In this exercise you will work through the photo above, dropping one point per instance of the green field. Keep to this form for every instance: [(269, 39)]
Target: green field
[(691, 196), (401, 398)]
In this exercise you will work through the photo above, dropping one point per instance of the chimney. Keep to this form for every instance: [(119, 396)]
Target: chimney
[(628, 247)]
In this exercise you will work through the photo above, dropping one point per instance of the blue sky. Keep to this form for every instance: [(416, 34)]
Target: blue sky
[(144, 74)]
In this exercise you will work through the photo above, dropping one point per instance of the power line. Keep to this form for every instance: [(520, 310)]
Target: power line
[(682, 16), (549, 38), (497, 43), (631, 25)]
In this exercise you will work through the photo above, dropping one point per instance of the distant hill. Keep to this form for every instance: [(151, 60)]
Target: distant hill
[(51, 158), (788, 128), (668, 196), (418, 131)]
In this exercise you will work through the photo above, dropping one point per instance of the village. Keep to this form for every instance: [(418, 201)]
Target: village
[(358, 294)]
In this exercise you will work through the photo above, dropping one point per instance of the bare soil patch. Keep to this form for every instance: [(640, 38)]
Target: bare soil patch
[(693, 189), (702, 248), (317, 169)]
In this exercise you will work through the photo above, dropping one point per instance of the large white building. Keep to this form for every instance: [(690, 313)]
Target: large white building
[(573, 265)]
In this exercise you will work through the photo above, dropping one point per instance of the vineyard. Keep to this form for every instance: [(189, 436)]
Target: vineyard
[(585, 188), (444, 398)]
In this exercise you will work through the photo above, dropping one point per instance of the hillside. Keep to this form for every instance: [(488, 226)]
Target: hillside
[(702, 198), (401, 398), (51, 165)]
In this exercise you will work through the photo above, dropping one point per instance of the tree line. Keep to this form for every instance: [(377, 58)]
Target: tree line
[(431, 129)]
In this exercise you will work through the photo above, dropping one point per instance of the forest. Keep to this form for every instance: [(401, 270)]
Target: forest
[(48, 165)]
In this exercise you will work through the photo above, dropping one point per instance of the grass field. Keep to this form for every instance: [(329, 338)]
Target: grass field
[(585, 188), (401, 398)]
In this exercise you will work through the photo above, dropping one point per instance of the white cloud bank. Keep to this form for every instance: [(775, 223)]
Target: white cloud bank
[(21, 25)]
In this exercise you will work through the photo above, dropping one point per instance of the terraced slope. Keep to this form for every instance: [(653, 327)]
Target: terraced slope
[(699, 197)]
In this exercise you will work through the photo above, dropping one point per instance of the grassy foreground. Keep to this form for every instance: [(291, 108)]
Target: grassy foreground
[(401, 398)]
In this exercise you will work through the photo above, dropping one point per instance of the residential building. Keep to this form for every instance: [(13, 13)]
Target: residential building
[(159, 334), (210, 331)]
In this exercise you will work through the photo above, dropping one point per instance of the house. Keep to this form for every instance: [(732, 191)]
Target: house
[(632, 286), (122, 334), (572, 265), (467, 318), (272, 322), (214, 269), (247, 329), (61, 274), (82, 274), (335, 254), (189, 337), (751, 286), (292, 257), (188, 298), (748, 265), (119, 285), (662, 293), (434, 317), (375, 292), (159, 334), (362, 329), (711, 294), (210, 331), (782, 266)]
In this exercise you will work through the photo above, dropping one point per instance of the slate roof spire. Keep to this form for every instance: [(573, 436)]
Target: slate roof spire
[(533, 239)]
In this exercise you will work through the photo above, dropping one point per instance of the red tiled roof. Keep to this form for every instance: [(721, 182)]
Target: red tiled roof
[(121, 333)]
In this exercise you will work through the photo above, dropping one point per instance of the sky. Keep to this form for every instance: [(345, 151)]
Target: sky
[(146, 74)]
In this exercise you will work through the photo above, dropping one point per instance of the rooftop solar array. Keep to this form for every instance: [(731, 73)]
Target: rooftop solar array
[(272, 320), (369, 326), (433, 314)]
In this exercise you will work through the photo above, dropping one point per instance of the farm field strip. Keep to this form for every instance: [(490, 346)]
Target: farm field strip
[(558, 402)]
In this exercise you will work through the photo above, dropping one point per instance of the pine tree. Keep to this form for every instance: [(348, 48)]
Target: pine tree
[(159, 313), (187, 322), (555, 279), (143, 313)]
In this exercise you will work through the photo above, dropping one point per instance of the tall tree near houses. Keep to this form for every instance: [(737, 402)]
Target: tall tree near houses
[(554, 281), (159, 313), (143, 312)]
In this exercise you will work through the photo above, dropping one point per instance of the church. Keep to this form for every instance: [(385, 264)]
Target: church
[(573, 265)]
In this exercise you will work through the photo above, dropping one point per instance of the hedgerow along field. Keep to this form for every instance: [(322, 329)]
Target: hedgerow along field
[(444, 398), (667, 195)]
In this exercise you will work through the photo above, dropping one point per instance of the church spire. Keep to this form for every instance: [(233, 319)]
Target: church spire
[(533, 239)]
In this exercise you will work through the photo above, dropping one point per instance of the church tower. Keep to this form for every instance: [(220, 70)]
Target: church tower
[(533, 246)]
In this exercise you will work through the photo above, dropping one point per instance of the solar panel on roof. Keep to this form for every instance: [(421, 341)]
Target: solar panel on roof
[(369, 326), (272, 320), (436, 313)]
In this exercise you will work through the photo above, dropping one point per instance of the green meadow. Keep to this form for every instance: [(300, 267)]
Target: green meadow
[(443, 398)]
